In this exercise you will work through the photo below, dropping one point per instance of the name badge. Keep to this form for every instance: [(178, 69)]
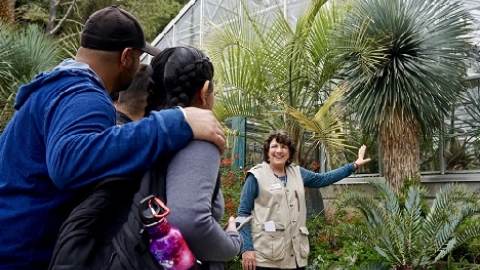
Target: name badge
[(276, 186), (269, 226)]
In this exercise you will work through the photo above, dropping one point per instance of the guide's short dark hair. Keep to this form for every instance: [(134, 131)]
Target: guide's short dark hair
[(282, 137)]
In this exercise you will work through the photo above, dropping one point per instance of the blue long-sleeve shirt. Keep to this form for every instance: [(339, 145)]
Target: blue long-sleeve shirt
[(310, 180), (61, 139)]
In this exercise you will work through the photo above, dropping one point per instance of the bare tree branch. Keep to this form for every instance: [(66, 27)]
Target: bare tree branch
[(52, 16), (69, 11)]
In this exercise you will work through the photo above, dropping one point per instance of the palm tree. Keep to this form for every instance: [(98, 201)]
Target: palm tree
[(279, 75), (23, 53), (406, 93), (406, 233)]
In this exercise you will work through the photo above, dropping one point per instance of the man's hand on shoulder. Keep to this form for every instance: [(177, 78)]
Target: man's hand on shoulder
[(205, 126)]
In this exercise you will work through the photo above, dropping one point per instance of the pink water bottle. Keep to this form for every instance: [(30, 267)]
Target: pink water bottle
[(167, 244)]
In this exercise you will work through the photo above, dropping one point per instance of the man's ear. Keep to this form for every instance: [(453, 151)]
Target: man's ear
[(204, 93), (126, 57)]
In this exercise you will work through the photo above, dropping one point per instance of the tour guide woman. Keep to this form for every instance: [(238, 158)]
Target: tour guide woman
[(275, 197)]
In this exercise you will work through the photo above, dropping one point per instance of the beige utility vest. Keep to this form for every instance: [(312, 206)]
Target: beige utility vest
[(286, 245)]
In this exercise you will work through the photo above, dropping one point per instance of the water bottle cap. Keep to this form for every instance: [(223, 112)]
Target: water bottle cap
[(152, 210)]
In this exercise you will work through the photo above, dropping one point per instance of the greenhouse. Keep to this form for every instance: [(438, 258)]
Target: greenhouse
[(439, 157), (257, 135), (450, 154)]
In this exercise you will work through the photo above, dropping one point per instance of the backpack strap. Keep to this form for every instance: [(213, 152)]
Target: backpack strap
[(217, 188), (84, 238), (132, 243), (134, 240)]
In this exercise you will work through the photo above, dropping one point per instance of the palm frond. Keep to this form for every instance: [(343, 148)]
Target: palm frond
[(232, 103), (32, 12), (445, 202), (472, 108), (24, 53), (326, 126), (34, 52), (471, 232), (404, 236), (424, 44), (448, 248), (69, 42), (368, 206)]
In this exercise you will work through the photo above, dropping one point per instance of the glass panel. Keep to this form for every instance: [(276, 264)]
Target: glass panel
[(187, 29), (462, 141), (218, 11), (266, 17), (259, 5), (254, 149), (430, 154), (474, 64), (296, 9), (166, 41)]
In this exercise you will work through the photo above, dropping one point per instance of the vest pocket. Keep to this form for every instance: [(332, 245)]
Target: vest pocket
[(270, 245), (304, 245)]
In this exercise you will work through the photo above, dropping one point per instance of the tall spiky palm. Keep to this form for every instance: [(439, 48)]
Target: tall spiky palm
[(268, 66), (23, 53), (405, 93)]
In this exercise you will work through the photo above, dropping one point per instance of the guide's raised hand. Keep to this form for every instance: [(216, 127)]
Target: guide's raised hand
[(361, 160)]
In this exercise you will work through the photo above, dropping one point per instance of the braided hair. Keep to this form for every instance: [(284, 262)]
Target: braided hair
[(178, 74)]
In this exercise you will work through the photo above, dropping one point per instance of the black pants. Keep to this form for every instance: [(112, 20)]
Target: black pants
[(268, 268)]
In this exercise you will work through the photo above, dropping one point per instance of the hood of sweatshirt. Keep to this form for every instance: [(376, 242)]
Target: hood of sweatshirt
[(68, 67)]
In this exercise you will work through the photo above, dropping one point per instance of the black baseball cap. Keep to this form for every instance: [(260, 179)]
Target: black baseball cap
[(114, 29)]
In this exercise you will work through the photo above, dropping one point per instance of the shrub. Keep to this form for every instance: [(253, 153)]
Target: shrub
[(405, 234)]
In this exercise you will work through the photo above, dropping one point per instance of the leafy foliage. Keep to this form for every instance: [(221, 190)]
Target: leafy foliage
[(472, 108), (25, 52), (153, 16), (287, 70), (335, 245), (28, 51), (408, 234), (325, 126)]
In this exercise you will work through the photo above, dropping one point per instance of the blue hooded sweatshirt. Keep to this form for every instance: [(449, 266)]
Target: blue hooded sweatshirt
[(61, 139)]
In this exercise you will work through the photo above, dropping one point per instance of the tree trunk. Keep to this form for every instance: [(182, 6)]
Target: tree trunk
[(52, 29), (7, 11), (52, 14), (400, 149)]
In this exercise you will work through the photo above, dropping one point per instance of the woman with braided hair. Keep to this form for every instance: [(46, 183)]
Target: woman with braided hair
[(183, 76)]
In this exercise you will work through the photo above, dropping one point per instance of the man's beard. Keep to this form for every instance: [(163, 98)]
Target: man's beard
[(125, 80)]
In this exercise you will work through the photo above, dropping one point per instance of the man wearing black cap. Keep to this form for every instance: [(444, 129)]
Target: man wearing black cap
[(63, 139)]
